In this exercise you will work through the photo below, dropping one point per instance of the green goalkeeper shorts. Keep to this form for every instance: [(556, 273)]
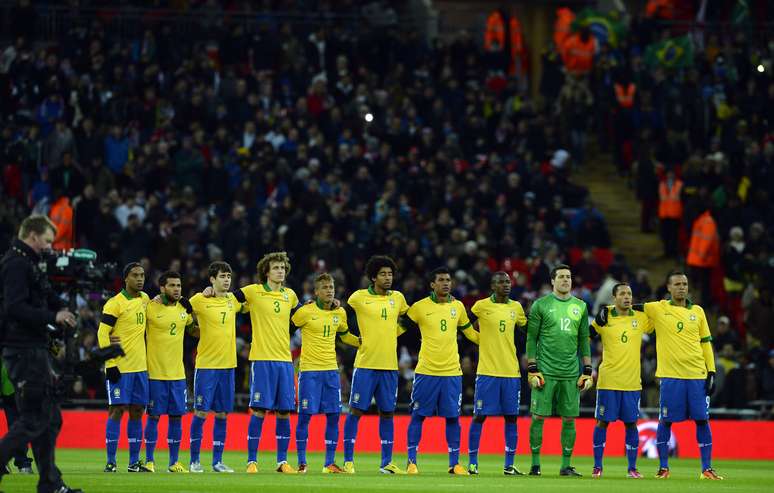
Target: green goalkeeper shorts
[(556, 398)]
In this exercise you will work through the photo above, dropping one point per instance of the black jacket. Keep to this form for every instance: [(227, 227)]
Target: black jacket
[(28, 303)]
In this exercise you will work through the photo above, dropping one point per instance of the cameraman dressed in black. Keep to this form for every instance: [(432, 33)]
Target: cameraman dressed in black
[(28, 306)]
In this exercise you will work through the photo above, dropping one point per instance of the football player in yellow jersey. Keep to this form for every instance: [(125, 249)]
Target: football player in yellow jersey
[(619, 385), (123, 322), (376, 365), (498, 379), (319, 386), (437, 388), (685, 365), (272, 381), (215, 363), (168, 321)]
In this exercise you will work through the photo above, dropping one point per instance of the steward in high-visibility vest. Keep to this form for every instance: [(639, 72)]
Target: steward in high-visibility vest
[(578, 52), (496, 35), (670, 205), (61, 215), (704, 249), (624, 94)]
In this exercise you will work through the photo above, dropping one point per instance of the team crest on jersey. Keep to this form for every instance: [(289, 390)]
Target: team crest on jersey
[(664, 412), (416, 405), (453, 312), (230, 305), (117, 392), (150, 404), (392, 303), (601, 410), (479, 404), (199, 399), (304, 403), (285, 296), (513, 315), (356, 398), (574, 312), (183, 315), (692, 318), (257, 397), (634, 324), (335, 319)]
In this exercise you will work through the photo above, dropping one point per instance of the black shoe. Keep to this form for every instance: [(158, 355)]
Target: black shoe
[(535, 471), (512, 471), (137, 467), (66, 489), (110, 467), (570, 471)]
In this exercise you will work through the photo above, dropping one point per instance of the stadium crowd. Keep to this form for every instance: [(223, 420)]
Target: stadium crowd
[(345, 139)]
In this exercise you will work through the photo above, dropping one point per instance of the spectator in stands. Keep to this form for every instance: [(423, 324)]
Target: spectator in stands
[(724, 335)]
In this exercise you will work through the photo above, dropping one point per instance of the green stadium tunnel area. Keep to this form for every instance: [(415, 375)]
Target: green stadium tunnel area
[(731, 439)]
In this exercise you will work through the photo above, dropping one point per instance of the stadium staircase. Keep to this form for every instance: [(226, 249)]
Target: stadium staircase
[(613, 196)]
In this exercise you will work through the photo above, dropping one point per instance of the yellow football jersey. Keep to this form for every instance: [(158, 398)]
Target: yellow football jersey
[(270, 319), (216, 317), (496, 324), (377, 319), (128, 317), (680, 332), (164, 337), (318, 336), (438, 324), (621, 346)]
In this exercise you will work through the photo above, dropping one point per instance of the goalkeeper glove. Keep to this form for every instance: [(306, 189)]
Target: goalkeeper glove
[(601, 318), (709, 383), (186, 304), (535, 378), (586, 380), (113, 374)]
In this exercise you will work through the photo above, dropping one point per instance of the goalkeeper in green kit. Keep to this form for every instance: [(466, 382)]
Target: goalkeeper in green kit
[(557, 333)]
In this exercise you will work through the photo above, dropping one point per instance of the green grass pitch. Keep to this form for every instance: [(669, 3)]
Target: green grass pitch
[(82, 469)]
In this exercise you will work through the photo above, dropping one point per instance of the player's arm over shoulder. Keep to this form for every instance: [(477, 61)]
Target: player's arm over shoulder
[(299, 318), (645, 322), (354, 299)]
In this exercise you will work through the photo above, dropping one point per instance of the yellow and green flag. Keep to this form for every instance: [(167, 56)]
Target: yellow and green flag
[(674, 53)]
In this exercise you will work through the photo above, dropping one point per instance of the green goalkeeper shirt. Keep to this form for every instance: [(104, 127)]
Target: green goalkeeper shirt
[(557, 332)]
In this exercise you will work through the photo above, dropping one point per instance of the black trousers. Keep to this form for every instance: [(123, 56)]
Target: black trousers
[(20, 458), (40, 418), (670, 235)]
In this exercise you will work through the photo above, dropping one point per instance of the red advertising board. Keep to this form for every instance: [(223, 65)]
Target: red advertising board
[(731, 439)]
